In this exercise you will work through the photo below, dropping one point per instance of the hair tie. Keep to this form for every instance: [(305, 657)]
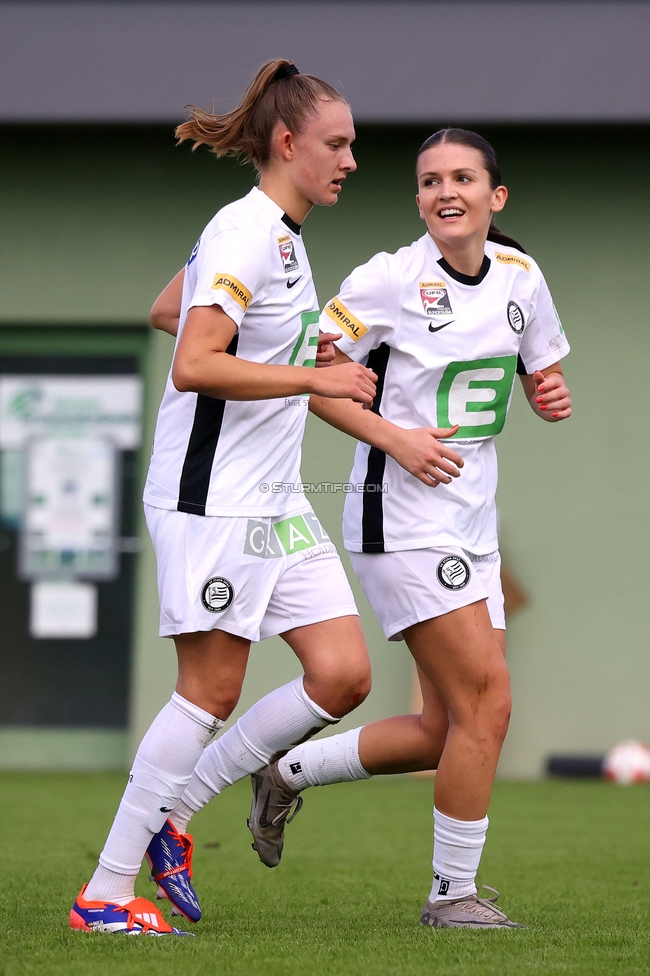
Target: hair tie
[(285, 71)]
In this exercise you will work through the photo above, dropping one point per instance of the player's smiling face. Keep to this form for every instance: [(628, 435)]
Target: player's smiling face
[(455, 196), (323, 154)]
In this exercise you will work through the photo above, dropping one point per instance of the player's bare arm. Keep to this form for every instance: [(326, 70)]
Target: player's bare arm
[(166, 310), (548, 394), (202, 365), (419, 451)]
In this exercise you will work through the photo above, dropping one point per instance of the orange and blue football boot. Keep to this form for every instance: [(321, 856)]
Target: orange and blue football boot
[(170, 858), (137, 917)]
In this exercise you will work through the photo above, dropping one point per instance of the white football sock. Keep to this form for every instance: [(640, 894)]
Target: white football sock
[(161, 769), (277, 722), (117, 888), (331, 760), (181, 816), (457, 849)]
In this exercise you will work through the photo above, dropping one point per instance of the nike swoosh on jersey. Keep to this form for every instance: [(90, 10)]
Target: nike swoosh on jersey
[(295, 281), (439, 327)]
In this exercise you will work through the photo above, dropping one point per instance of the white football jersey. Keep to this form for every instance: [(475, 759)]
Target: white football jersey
[(446, 348), (211, 456)]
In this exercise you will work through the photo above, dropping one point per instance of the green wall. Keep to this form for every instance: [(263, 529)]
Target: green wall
[(96, 220)]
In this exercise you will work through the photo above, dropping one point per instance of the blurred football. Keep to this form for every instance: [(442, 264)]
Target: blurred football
[(628, 762)]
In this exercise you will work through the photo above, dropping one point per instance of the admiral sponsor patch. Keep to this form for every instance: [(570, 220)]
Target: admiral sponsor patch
[(515, 318), (435, 300), (235, 289), (345, 320), (287, 254), (513, 259)]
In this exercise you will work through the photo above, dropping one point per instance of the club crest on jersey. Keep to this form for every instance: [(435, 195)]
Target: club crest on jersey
[(453, 573), (516, 319), (435, 300), (287, 254), (217, 594)]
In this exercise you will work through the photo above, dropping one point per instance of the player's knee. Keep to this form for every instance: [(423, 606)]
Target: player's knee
[(360, 688), (218, 702), (341, 693), (351, 692), (499, 707)]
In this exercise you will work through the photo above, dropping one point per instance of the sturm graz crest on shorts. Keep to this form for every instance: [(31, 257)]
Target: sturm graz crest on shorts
[(515, 318), (217, 594), (453, 572)]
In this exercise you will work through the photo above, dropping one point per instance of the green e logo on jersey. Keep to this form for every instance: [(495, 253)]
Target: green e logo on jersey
[(306, 347), (475, 396)]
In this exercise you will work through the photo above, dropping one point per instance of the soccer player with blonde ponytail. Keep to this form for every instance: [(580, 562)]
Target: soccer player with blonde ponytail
[(237, 560)]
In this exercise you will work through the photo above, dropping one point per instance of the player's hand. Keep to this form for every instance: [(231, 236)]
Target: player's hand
[(349, 381), (326, 347), (551, 399), (423, 453)]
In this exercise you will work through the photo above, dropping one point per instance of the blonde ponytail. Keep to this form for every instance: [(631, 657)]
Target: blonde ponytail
[(277, 92)]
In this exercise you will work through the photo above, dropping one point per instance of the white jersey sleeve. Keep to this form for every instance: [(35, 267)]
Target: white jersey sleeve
[(232, 267), (543, 342), (366, 309)]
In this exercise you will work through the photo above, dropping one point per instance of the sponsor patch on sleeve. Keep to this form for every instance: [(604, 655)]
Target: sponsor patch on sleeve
[(235, 289), (513, 259), (345, 320)]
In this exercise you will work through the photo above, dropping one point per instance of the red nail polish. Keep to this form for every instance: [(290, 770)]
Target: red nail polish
[(556, 415), (539, 400), (540, 389), (543, 407)]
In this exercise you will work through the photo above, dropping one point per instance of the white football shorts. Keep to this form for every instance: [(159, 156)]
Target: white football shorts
[(412, 585), (250, 577)]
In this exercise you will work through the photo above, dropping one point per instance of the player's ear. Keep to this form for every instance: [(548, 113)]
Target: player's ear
[(499, 198), (282, 142), (417, 201)]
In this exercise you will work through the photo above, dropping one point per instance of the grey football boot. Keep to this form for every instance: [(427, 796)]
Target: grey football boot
[(470, 912), (274, 805)]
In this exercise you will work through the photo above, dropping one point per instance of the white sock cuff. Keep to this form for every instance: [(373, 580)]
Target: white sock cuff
[(323, 761), (299, 689), (195, 712), (206, 720), (447, 829), (351, 747)]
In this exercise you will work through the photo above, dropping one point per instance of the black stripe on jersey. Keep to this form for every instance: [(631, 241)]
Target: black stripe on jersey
[(372, 518), (201, 448), (463, 278), (521, 367), (291, 224)]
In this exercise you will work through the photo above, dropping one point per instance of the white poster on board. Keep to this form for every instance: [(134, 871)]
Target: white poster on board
[(63, 406), (70, 513), (63, 610)]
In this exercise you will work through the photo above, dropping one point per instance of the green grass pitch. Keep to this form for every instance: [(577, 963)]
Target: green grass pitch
[(572, 861)]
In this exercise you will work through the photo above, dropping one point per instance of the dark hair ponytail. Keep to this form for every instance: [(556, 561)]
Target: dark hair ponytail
[(495, 235), (465, 137), (278, 91)]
